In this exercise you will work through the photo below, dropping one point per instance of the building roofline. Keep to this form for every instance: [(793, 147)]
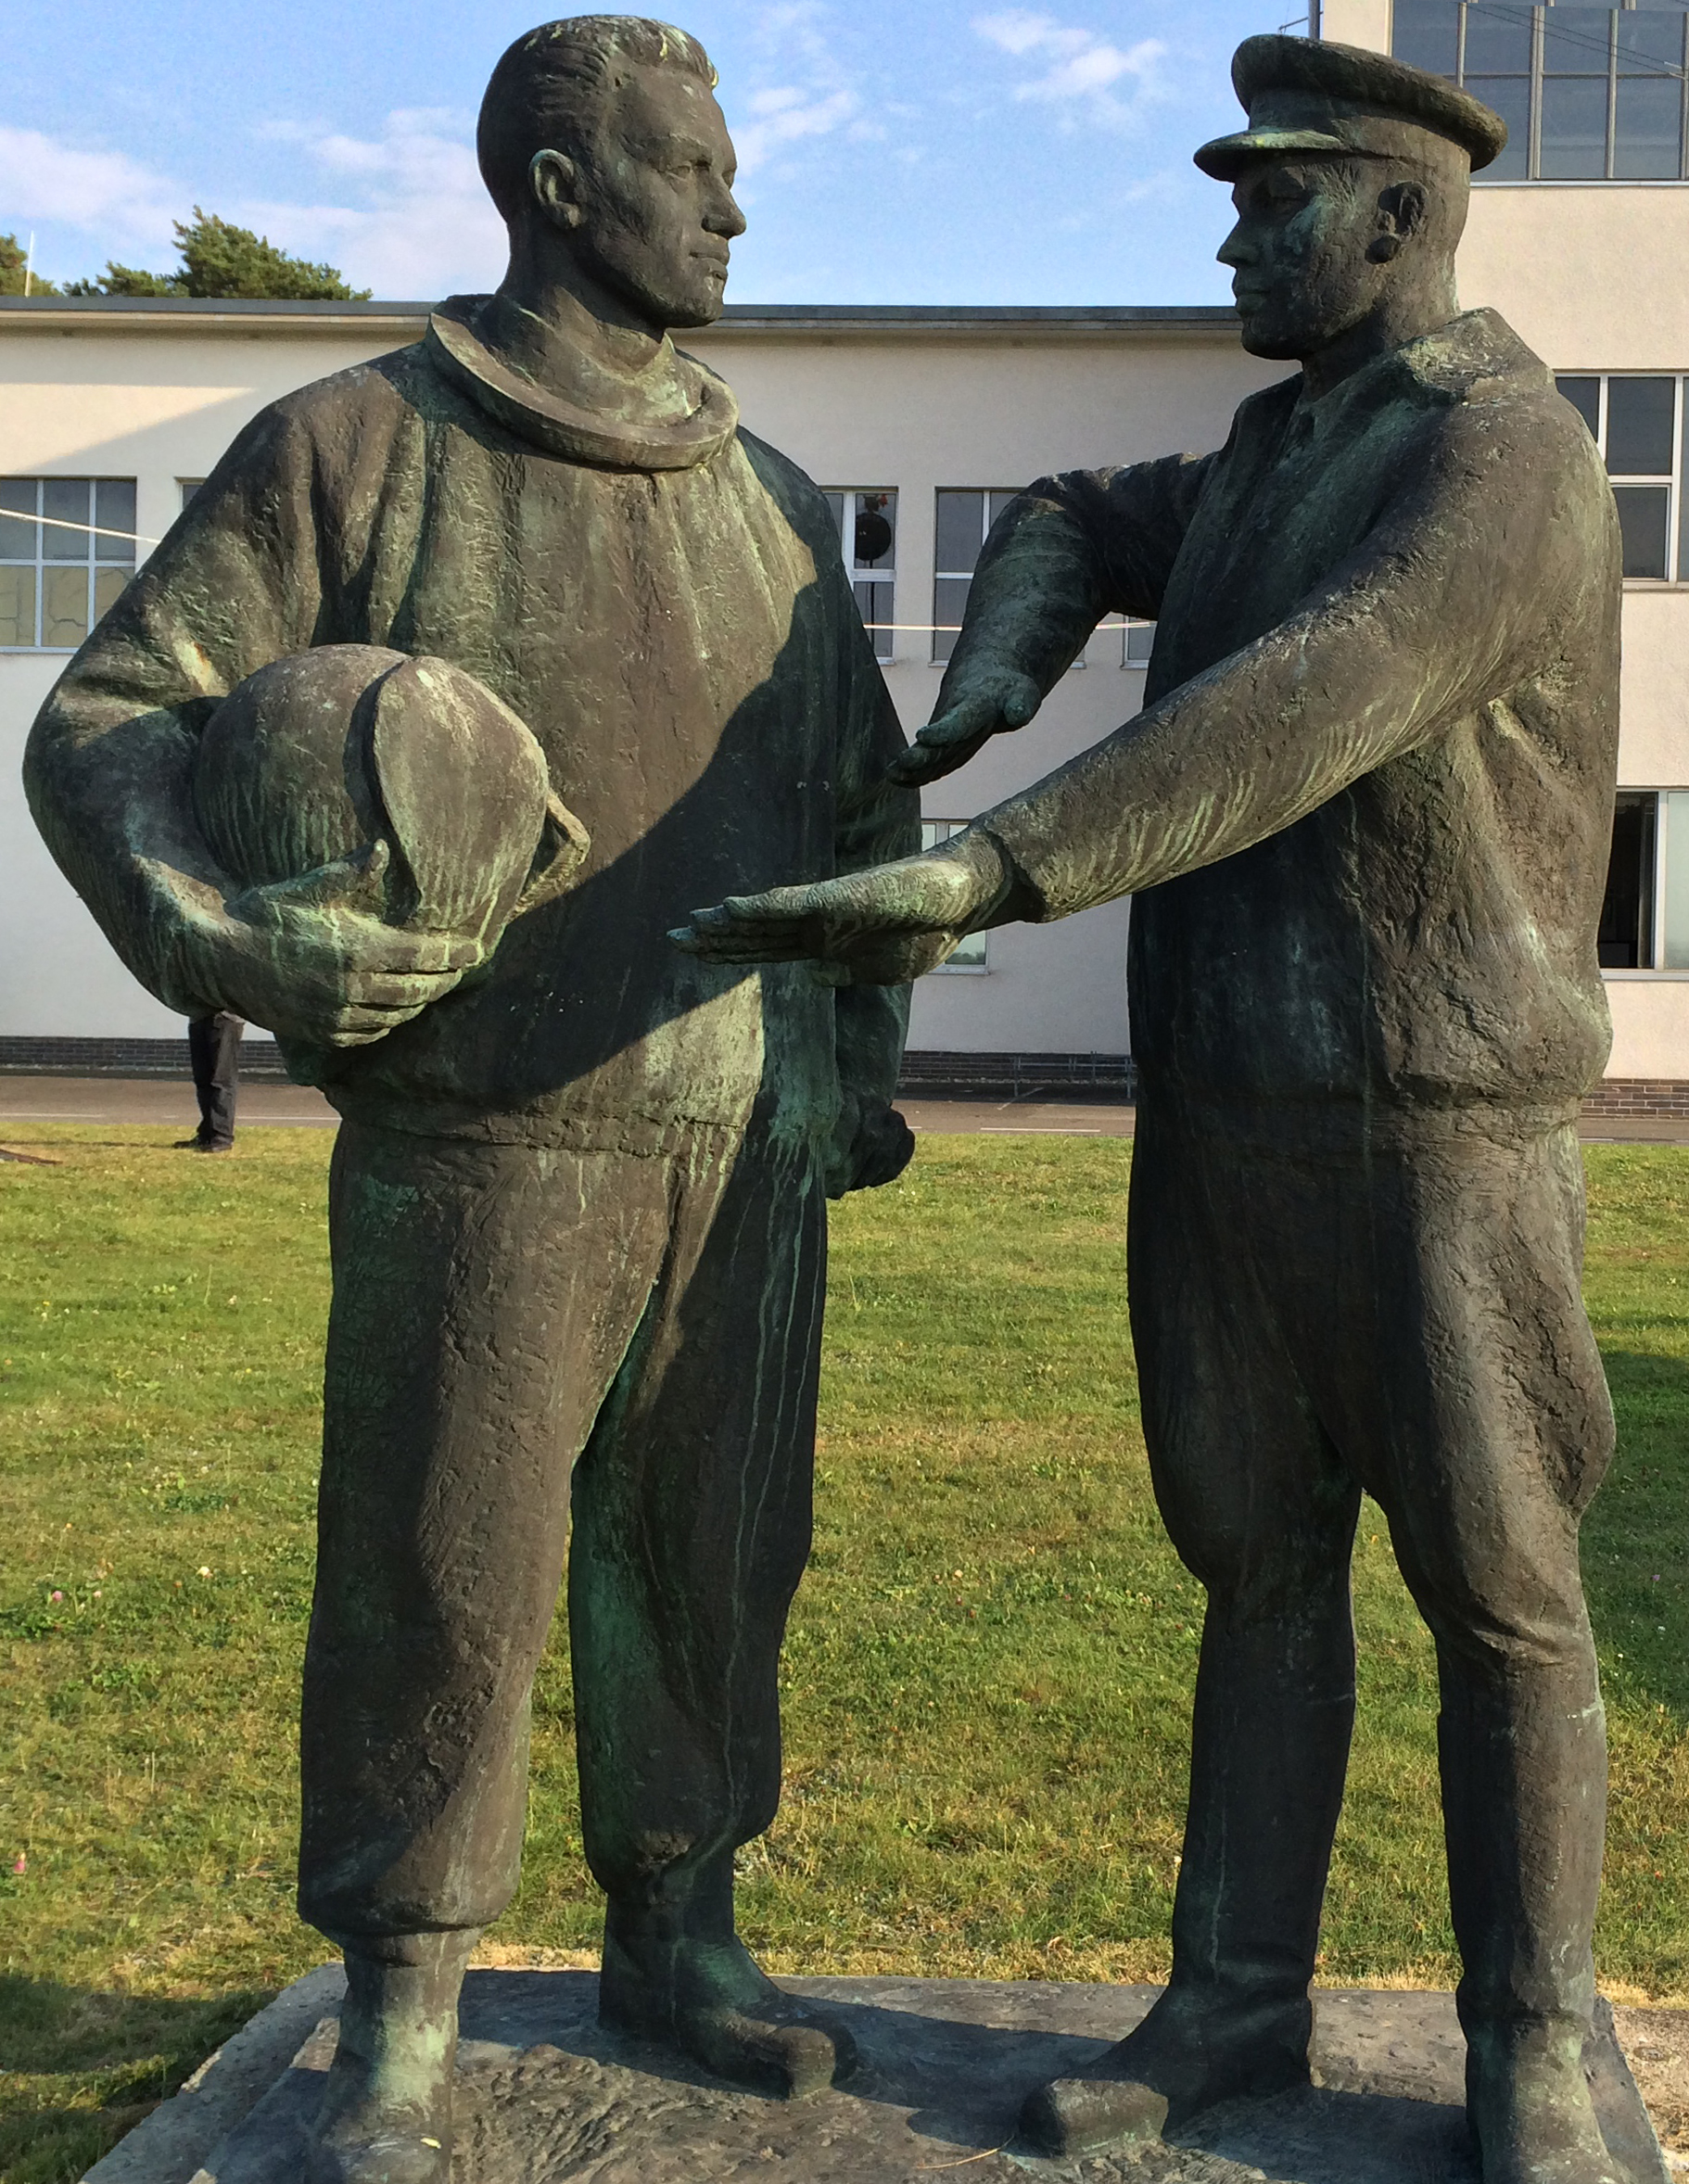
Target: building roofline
[(916, 322)]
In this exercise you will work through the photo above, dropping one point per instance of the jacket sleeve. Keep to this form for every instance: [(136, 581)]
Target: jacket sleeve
[(877, 821), (108, 768), (1447, 605), (1064, 553)]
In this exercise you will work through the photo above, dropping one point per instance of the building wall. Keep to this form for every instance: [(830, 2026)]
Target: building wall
[(916, 413)]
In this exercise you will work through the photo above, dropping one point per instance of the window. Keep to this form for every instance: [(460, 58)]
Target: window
[(1137, 644), (970, 952), (67, 550), (1644, 914), (189, 486), (965, 517), (1588, 94), (1637, 425), (867, 539)]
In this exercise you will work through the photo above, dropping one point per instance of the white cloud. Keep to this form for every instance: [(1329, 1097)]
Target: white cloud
[(1081, 70), (126, 204), (784, 115), (412, 219), (804, 90)]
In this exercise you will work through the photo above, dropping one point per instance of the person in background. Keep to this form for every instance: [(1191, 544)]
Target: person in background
[(214, 1047)]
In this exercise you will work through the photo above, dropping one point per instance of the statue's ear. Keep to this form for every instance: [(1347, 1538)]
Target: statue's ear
[(555, 181), (1403, 208)]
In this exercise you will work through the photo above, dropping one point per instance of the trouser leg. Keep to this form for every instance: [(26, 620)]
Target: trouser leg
[(484, 1298), (1261, 1510), (213, 1045), (1490, 1428), (693, 1517)]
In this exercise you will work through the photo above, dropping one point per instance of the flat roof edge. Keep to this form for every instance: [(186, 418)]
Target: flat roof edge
[(114, 314)]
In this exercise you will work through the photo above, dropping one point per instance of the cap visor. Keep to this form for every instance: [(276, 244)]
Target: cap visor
[(1226, 156)]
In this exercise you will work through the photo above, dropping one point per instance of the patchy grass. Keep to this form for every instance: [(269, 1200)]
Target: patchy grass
[(989, 1671)]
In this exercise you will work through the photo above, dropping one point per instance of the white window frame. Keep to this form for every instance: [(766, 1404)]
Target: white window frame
[(849, 500), (1677, 547), (1671, 807), (977, 963), (95, 565)]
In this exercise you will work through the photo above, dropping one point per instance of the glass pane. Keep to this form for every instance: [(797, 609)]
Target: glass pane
[(110, 585), (1498, 40), (1000, 500), (961, 531), (1639, 413), (874, 601), (1575, 40), (17, 537), (1425, 33), (114, 516), (190, 486), (1626, 938), (970, 952), (1584, 395), (64, 509), (1574, 127), (1510, 97), (1641, 520), (1648, 129), (1140, 641), (875, 540), (64, 606), (16, 606), (1676, 879), (1650, 44), (950, 599)]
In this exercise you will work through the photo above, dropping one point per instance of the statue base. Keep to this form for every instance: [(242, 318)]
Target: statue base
[(546, 2096)]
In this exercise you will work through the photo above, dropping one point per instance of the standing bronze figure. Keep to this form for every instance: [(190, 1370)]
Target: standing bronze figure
[(1365, 814), (578, 1203)]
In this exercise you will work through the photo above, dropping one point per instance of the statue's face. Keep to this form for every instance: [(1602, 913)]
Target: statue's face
[(1306, 265), (656, 197)]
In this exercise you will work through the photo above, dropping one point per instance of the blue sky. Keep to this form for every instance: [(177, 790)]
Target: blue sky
[(892, 151)]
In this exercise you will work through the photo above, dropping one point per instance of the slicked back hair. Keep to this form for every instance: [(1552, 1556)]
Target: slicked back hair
[(551, 87)]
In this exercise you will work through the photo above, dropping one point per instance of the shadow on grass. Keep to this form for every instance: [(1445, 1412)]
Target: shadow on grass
[(1635, 1543), (78, 2068)]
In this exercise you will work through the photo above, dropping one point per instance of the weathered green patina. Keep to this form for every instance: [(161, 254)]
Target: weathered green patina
[(578, 1207), (1365, 816)]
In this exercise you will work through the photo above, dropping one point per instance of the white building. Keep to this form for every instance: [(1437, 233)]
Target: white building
[(915, 419)]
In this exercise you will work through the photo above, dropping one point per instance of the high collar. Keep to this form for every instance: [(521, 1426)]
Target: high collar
[(597, 437), (1449, 365)]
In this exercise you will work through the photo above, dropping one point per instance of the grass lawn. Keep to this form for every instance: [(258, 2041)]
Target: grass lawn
[(989, 1671)]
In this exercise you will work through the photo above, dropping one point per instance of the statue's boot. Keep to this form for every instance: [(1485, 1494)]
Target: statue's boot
[(1190, 2053), (1275, 1707), (1528, 2103), (386, 2116), (675, 1971)]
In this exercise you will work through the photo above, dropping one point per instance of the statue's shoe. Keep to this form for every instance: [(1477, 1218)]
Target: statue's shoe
[(710, 2001), (1529, 2103), (1184, 2057)]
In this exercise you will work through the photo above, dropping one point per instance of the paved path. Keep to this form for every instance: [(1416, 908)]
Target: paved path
[(267, 1101)]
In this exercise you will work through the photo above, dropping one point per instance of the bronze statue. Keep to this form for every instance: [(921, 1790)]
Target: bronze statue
[(578, 1203), (1365, 814)]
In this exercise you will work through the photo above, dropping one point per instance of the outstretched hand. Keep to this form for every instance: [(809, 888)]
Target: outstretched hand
[(985, 701), (880, 927)]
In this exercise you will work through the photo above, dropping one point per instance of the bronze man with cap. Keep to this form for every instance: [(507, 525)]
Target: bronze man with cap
[(1365, 814)]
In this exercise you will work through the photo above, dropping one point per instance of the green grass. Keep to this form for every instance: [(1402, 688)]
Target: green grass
[(989, 1671)]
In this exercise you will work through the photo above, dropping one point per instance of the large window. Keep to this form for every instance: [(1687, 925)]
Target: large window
[(66, 548), (971, 953), (965, 516), (1588, 94), (1637, 421), (1644, 918), (867, 539)]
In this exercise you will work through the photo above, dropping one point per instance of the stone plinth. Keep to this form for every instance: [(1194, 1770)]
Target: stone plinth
[(546, 2097)]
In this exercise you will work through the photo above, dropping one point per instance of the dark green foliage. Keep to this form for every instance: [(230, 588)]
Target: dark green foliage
[(14, 258), (220, 259)]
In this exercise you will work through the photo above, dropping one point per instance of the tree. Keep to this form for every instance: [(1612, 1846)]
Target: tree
[(220, 259), (14, 258)]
